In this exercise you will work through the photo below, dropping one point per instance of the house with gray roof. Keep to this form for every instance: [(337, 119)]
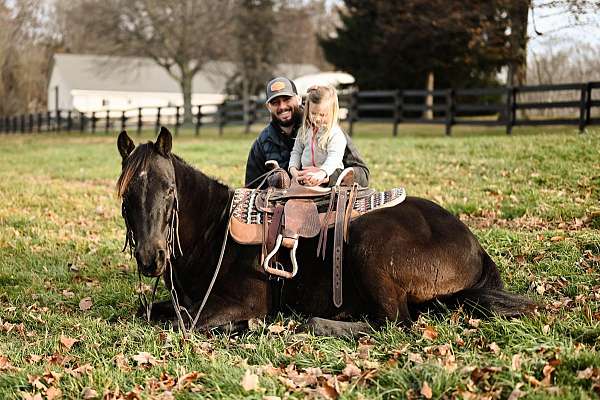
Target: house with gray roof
[(96, 83)]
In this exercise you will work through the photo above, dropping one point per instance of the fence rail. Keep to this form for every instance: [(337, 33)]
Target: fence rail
[(508, 107)]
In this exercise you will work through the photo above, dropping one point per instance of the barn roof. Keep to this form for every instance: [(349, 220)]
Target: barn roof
[(140, 74)]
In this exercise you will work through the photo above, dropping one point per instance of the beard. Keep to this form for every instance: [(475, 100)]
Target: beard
[(296, 117)]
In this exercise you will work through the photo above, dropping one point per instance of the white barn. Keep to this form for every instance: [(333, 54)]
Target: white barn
[(96, 83)]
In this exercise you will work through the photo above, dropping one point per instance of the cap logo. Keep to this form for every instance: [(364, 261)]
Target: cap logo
[(277, 86)]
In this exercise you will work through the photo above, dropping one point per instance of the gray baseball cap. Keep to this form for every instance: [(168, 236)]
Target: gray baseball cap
[(280, 86)]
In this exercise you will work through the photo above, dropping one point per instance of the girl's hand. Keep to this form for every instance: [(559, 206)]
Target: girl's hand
[(315, 178)]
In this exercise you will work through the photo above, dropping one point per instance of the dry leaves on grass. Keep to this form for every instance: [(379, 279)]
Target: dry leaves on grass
[(144, 359), (250, 381), (67, 342), (85, 304)]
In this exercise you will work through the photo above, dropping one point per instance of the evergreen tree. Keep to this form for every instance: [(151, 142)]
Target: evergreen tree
[(398, 44)]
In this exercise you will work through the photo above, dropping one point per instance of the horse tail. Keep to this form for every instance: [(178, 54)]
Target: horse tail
[(488, 297)]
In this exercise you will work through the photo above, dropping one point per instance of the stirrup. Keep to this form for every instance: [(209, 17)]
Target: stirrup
[(279, 272)]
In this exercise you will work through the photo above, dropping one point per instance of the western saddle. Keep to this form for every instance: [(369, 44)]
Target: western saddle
[(286, 211)]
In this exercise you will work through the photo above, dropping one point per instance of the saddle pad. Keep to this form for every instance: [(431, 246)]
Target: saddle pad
[(246, 222)]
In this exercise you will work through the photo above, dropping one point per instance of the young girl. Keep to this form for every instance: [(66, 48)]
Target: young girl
[(320, 144)]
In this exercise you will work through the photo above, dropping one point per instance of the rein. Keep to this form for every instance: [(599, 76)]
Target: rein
[(173, 244)]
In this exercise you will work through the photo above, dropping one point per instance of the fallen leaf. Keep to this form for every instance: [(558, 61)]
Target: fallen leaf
[(546, 329), (188, 379), (516, 362), (430, 333), (587, 373), (250, 381), (89, 393), (415, 357), (121, 362), (474, 322), (144, 358), (516, 392), (276, 328), (85, 304), (426, 390), (328, 391), (67, 341), (494, 348), (351, 371), (547, 372), (53, 393)]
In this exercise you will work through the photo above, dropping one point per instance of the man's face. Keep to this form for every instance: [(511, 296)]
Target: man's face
[(283, 108)]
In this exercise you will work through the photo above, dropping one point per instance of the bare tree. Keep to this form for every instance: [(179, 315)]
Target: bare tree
[(179, 35), (24, 54)]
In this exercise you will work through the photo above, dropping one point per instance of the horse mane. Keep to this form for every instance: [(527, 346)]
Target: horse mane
[(137, 161), (133, 165)]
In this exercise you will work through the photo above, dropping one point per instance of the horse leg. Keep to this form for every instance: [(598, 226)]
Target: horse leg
[(328, 327)]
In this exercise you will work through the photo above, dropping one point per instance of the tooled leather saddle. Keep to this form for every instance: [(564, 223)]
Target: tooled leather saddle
[(284, 212)]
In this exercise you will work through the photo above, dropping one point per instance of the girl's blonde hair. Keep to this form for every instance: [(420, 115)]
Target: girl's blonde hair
[(318, 95)]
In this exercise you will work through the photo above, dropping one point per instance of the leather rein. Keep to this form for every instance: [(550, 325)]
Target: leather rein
[(174, 244)]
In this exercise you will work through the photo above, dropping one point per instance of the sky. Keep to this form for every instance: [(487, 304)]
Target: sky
[(560, 29)]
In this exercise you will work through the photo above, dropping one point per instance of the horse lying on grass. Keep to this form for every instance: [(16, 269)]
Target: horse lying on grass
[(398, 259)]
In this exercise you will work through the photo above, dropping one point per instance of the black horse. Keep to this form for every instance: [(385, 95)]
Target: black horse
[(397, 259)]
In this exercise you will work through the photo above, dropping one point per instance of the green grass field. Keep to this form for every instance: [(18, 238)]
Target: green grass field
[(68, 295)]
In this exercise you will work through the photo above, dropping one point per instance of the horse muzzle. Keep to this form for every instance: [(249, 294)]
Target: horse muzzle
[(151, 263)]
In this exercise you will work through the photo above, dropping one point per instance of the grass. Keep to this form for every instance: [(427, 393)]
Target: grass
[(531, 198)]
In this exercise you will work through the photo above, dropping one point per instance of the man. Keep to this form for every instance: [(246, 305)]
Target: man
[(276, 141)]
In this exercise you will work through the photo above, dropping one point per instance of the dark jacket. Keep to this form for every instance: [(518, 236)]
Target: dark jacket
[(274, 144)]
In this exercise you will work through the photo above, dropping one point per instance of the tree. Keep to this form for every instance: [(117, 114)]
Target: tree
[(179, 35), (24, 54), (399, 44), (253, 50)]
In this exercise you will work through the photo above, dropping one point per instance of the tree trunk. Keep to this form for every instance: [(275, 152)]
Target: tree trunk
[(246, 104), (186, 91), (428, 114)]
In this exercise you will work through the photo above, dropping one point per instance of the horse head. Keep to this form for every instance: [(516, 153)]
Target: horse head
[(148, 190)]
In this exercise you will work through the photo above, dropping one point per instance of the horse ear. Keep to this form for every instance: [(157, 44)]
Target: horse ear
[(164, 142), (125, 145)]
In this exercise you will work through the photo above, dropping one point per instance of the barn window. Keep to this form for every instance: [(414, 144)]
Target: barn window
[(104, 102)]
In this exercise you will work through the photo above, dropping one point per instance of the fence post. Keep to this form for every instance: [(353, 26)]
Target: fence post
[(222, 116), (251, 117), (2, 124), (40, 119), (583, 99), (449, 111), (177, 120), (69, 121), (198, 119), (123, 120), (588, 103), (398, 105), (94, 119), (48, 121), (81, 121), (511, 109), (58, 120), (139, 121), (353, 112), (107, 122), (157, 118), (22, 123), (30, 127)]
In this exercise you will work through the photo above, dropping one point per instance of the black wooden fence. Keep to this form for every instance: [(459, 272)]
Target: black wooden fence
[(508, 107)]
